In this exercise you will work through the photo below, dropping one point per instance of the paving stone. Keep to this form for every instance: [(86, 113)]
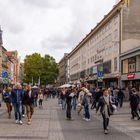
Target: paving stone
[(49, 124)]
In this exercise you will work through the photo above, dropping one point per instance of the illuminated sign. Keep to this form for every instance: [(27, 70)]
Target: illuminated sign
[(131, 76)]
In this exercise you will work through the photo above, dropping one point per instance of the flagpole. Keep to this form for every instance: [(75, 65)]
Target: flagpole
[(32, 81), (39, 81)]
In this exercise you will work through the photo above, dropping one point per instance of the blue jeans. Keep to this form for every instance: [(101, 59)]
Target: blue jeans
[(74, 103), (35, 102), (87, 114), (18, 111), (63, 104)]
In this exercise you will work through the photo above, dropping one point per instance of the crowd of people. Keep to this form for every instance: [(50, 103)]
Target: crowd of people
[(82, 100), (107, 100), (22, 100)]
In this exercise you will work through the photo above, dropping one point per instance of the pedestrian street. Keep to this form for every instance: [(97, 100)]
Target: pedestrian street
[(49, 123)]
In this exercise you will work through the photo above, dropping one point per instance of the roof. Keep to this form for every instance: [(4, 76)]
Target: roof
[(97, 27), (9, 54), (65, 56)]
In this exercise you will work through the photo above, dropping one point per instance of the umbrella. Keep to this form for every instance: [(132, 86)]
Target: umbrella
[(34, 87), (65, 86)]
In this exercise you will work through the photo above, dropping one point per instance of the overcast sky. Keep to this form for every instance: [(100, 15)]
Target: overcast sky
[(49, 26)]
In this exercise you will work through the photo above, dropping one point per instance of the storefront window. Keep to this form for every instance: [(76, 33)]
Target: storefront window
[(125, 66), (138, 63), (132, 68), (107, 67), (132, 65)]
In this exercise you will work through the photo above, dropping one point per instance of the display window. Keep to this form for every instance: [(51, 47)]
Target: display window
[(138, 63), (125, 66)]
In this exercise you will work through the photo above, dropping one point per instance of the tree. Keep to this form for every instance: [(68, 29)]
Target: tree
[(36, 67)]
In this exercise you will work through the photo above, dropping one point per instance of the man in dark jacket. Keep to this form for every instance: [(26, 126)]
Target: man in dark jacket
[(121, 96), (134, 101), (99, 93), (16, 96), (29, 103), (68, 103), (104, 105)]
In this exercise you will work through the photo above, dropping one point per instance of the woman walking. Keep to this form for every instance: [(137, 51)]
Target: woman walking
[(8, 100), (86, 103), (40, 98), (104, 106), (29, 103)]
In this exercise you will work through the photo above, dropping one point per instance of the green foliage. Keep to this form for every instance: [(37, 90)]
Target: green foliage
[(44, 67)]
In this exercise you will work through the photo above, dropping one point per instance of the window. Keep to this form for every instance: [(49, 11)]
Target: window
[(93, 58), (132, 68), (125, 66), (138, 63), (132, 65), (115, 64), (107, 67), (88, 61)]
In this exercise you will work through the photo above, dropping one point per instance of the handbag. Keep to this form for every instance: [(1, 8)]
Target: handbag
[(110, 109), (139, 106)]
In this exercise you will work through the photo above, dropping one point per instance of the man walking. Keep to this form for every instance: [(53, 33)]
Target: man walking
[(69, 96), (16, 96)]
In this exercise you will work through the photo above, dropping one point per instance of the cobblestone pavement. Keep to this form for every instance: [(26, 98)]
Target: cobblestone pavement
[(2, 108), (49, 124)]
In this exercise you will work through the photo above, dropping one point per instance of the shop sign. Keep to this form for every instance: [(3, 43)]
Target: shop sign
[(94, 70), (100, 73), (5, 80), (4, 74), (131, 76)]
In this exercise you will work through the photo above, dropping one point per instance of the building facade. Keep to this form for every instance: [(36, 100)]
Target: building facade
[(130, 47), (9, 65), (21, 73), (97, 57), (63, 70), (14, 66)]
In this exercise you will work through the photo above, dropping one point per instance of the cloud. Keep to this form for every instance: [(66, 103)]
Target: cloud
[(43, 3), (8, 19), (49, 26)]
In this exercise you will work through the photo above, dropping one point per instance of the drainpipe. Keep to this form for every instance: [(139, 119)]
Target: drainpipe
[(120, 40)]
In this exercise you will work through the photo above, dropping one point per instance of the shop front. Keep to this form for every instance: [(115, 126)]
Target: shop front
[(131, 80), (112, 80), (131, 72)]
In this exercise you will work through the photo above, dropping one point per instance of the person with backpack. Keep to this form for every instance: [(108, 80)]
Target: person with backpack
[(86, 103)]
